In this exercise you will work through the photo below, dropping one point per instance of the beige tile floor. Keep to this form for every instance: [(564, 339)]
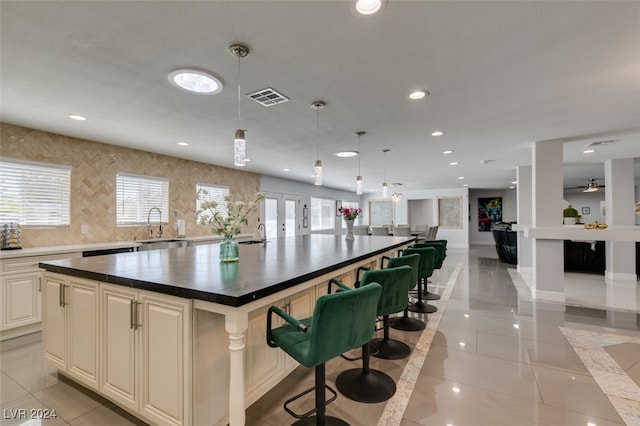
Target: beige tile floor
[(490, 356)]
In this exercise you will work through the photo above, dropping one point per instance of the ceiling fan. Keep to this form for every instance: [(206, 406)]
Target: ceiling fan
[(592, 186)]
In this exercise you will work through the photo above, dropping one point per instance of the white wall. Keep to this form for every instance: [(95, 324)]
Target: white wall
[(420, 212), (509, 212), (580, 199), (458, 238), (306, 191)]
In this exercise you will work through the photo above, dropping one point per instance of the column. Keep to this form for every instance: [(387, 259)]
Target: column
[(546, 199), (523, 200), (619, 201), (236, 324)]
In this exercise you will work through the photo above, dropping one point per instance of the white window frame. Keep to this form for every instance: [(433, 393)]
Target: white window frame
[(214, 193), (136, 195), (327, 222), (35, 195)]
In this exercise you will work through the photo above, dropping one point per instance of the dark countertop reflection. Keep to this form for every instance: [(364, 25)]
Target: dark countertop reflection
[(196, 272)]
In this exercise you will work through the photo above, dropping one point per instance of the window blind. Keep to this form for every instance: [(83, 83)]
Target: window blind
[(34, 194), (136, 195), (213, 193)]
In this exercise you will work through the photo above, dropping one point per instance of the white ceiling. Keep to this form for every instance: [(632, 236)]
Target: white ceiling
[(501, 75)]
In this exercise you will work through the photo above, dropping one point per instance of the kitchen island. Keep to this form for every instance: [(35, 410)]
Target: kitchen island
[(177, 337)]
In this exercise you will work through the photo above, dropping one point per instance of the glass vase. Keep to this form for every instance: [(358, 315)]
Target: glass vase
[(229, 249)]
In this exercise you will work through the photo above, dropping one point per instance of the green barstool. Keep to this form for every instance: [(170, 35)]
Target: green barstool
[(427, 261), (364, 384), (441, 253), (341, 321), (405, 322)]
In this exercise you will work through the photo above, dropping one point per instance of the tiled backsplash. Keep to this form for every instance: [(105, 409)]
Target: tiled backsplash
[(93, 185)]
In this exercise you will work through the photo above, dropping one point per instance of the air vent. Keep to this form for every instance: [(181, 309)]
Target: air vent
[(601, 143), (268, 97)]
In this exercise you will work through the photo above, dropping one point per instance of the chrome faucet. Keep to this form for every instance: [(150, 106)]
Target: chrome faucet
[(149, 230), (262, 232)]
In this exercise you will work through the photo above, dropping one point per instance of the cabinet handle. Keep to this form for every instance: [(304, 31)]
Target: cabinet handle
[(287, 308), (62, 296), (138, 324), (134, 314), (40, 284)]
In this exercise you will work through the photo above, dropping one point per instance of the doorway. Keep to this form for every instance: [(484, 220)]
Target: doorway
[(280, 213)]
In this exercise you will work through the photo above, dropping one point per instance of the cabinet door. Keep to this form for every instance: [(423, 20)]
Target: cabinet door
[(83, 331), (264, 365), (118, 345), (54, 314), (165, 333), (20, 299)]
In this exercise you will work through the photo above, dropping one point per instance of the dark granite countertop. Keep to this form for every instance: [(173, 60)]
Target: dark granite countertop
[(196, 273)]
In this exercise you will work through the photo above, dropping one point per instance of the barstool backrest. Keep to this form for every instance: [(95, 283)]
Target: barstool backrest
[(427, 259), (412, 260), (394, 282), (341, 321), (441, 251)]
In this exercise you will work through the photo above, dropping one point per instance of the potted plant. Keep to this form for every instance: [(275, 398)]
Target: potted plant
[(570, 215)]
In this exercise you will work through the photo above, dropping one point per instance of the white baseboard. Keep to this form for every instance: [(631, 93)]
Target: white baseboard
[(550, 296)]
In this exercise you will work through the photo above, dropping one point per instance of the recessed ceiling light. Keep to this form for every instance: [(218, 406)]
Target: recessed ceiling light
[(346, 154), (247, 160), (514, 182), (183, 144), (438, 133), (466, 315), (77, 117), (449, 151), (453, 163), (512, 187), (195, 81), (466, 184), (368, 7), (460, 177), (418, 94), (588, 151)]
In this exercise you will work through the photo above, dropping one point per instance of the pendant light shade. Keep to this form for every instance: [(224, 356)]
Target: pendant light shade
[(239, 151), (359, 181), (385, 186), (317, 169)]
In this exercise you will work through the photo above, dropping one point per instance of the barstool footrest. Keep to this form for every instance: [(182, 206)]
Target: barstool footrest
[(303, 393)]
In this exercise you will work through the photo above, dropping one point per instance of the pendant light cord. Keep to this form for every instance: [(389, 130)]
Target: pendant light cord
[(238, 91)]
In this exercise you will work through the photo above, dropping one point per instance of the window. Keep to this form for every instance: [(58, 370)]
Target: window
[(214, 193), (322, 214), (136, 195), (34, 194)]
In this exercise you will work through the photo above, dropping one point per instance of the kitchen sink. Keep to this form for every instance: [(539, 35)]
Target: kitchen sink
[(162, 244), (252, 242)]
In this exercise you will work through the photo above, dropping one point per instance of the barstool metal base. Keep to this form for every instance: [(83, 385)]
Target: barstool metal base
[(407, 324), (372, 386), (430, 296), (422, 307), (390, 348), (328, 421)]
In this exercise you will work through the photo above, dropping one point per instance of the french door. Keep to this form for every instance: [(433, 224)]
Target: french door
[(280, 213)]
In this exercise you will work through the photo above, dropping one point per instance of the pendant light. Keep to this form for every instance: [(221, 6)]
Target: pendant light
[(317, 170), (359, 182), (239, 51), (385, 186)]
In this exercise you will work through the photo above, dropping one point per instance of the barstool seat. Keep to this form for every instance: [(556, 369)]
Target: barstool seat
[(341, 322)]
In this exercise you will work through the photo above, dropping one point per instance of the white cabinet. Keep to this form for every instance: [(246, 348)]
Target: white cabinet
[(266, 366), (70, 335), (20, 294), (145, 342)]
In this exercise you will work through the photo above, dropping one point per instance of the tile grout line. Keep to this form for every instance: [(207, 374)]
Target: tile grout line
[(396, 406)]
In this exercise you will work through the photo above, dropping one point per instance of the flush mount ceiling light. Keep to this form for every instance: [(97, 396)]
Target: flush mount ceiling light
[(195, 81), (418, 94), (239, 151), (453, 163), (368, 7), (346, 154), (359, 181), (77, 117), (317, 169), (437, 133)]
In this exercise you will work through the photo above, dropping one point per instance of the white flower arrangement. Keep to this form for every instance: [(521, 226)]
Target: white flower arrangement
[(237, 212)]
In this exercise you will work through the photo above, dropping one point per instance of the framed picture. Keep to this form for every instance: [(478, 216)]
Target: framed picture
[(586, 210), (450, 212), (338, 207)]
